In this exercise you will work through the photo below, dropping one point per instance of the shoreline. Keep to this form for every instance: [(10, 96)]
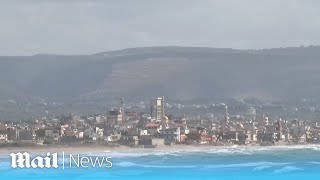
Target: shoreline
[(126, 149), (94, 148)]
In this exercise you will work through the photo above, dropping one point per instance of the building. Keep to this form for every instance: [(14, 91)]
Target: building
[(150, 142), (196, 138), (129, 140), (99, 132), (114, 117), (157, 108), (3, 138), (278, 127), (52, 133), (171, 135), (157, 112), (90, 133), (252, 111), (25, 136), (153, 128), (113, 137)]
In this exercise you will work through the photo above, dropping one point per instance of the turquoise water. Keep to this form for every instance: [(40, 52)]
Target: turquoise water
[(292, 162)]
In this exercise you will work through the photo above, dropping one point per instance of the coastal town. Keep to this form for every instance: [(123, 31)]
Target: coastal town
[(155, 128)]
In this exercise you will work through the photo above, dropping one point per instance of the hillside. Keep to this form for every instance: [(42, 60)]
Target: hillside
[(180, 73)]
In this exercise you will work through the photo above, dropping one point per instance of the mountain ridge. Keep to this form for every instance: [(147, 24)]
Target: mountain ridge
[(182, 73)]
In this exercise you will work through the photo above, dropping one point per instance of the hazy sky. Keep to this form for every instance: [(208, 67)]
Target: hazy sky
[(86, 27)]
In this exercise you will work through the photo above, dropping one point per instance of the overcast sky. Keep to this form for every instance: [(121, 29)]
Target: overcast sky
[(86, 27)]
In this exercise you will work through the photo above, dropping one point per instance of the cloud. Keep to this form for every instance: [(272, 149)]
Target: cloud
[(86, 27)]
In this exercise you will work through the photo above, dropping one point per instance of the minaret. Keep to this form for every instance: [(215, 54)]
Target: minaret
[(162, 107), (226, 115), (279, 130), (122, 109)]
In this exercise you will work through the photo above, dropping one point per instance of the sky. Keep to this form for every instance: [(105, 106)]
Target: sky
[(30, 27)]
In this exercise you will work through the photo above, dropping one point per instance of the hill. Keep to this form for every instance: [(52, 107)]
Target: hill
[(180, 73)]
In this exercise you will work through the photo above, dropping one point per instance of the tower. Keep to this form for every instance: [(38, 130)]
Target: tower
[(226, 115), (122, 109), (278, 130), (157, 108)]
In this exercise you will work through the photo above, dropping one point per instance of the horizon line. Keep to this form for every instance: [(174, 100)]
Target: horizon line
[(162, 46)]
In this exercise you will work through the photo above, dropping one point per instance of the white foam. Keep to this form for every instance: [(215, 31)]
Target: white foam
[(286, 169), (314, 162), (131, 164), (126, 164), (219, 150), (249, 164), (260, 168), (257, 165)]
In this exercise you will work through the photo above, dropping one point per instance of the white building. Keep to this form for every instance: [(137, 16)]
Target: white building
[(171, 135), (113, 137), (153, 128), (157, 108), (99, 132), (3, 138), (94, 134)]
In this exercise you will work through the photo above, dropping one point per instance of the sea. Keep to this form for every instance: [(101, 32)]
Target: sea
[(197, 163)]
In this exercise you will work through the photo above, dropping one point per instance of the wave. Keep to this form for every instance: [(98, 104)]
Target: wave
[(260, 168), (136, 154), (218, 150), (249, 164), (172, 152), (287, 169), (131, 164), (126, 164), (257, 165), (249, 150), (314, 162)]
